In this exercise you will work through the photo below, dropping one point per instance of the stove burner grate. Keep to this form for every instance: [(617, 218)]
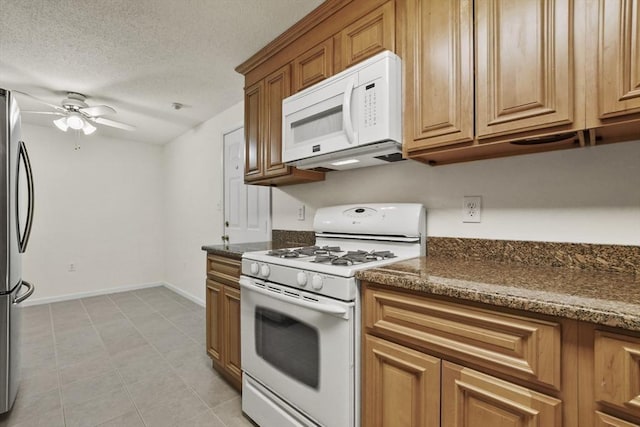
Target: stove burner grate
[(353, 257), (305, 251)]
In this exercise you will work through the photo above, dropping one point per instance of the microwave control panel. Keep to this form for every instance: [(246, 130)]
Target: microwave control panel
[(370, 105)]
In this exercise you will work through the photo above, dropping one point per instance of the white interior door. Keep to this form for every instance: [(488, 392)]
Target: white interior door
[(247, 208)]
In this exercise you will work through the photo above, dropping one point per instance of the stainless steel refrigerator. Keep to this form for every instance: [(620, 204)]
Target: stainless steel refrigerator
[(16, 217)]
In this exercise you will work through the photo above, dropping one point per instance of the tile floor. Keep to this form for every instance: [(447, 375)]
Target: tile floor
[(126, 359)]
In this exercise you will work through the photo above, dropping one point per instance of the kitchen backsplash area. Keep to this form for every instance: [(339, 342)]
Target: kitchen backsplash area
[(588, 195), (291, 238), (582, 256)]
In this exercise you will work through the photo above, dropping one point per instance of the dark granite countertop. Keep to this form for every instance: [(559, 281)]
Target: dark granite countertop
[(605, 298), (236, 250)]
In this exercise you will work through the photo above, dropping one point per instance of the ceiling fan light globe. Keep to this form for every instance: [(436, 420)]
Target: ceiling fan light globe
[(74, 121), (88, 129), (61, 124)]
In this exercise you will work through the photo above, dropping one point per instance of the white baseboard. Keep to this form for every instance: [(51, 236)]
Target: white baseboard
[(48, 300), (187, 295)]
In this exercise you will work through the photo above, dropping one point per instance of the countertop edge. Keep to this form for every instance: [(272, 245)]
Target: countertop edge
[(518, 298)]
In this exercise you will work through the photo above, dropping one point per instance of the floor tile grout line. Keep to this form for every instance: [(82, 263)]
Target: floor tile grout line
[(55, 355), (124, 384), (162, 356)]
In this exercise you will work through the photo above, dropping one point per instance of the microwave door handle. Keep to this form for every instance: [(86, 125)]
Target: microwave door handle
[(347, 123)]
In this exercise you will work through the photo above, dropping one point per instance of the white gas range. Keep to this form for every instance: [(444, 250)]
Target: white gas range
[(300, 314)]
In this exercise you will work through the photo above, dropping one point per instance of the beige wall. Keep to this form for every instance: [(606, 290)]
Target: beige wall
[(99, 208), (583, 195), (193, 200)]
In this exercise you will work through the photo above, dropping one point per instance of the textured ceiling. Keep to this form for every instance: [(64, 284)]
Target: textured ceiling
[(138, 56)]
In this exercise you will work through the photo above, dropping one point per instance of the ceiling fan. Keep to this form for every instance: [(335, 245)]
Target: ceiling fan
[(76, 114)]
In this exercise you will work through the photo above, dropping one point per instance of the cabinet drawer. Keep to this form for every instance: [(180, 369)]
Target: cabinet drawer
[(517, 346), (224, 270), (617, 371)]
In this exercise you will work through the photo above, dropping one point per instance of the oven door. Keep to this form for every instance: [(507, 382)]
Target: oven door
[(301, 347)]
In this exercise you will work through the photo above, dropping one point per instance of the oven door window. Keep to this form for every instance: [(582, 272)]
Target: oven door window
[(289, 345)]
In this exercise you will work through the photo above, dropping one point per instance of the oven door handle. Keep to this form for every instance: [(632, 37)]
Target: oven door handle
[(323, 308)]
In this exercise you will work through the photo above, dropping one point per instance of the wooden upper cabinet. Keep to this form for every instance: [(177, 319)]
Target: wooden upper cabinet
[(438, 73), (253, 168), (618, 61), (263, 133), (313, 66), (277, 87), (524, 63), (473, 399), (368, 35)]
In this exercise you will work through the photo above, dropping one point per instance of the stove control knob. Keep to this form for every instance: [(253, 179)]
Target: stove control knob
[(316, 282), (254, 268), (301, 278), (265, 270)]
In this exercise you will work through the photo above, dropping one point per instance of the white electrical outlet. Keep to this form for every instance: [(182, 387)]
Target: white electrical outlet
[(301, 213), (72, 267), (471, 208)]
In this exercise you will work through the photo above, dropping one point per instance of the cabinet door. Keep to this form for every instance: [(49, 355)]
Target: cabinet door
[(277, 86), (214, 316), (401, 386), (473, 399), (313, 66), (618, 58), (438, 73), (253, 110), (524, 55), (617, 371), (369, 35), (231, 314)]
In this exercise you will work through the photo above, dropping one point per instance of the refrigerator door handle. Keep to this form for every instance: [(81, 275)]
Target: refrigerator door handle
[(24, 239), (27, 294)]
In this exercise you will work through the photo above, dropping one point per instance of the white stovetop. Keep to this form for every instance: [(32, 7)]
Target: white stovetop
[(401, 250)]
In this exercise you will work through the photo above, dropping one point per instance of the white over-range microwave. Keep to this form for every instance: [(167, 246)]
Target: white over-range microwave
[(352, 119)]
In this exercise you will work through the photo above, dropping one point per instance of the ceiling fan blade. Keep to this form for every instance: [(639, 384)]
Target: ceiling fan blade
[(57, 107), (98, 110), (52, 113), (113, 123)]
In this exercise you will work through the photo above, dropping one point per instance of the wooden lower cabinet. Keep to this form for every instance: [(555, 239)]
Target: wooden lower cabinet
[(605, 420), (402, 386), (214, 307), (223, 317), (231, 335), (473, 399), (610, 377), (436, 361)]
